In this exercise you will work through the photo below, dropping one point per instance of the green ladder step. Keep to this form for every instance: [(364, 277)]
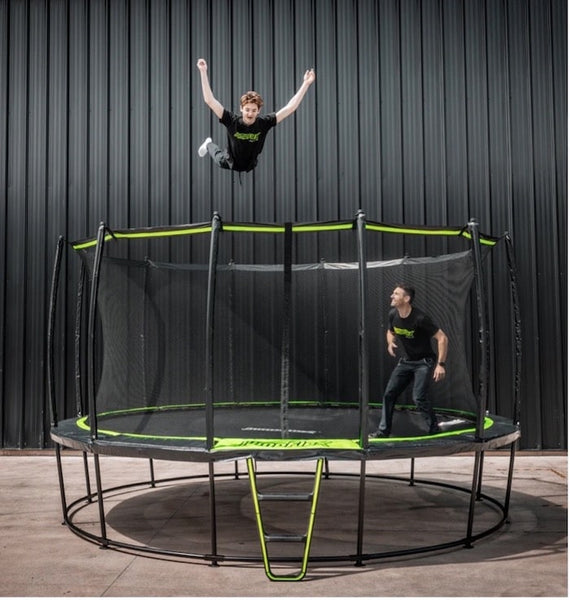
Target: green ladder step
[(265, 537)]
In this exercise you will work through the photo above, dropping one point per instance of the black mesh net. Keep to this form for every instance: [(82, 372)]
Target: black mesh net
[(277, 348)]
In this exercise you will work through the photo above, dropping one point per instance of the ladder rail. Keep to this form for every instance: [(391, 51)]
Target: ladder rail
[(264, 537)]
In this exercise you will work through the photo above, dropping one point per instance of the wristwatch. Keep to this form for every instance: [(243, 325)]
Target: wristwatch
[(441, 364)]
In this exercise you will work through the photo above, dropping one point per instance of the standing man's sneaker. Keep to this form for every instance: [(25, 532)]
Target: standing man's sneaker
[(203, 149), (379, 434)]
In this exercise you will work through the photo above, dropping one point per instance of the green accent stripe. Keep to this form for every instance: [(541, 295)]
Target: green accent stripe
[(253, 228), (153, 232), (319, 228), (142, 234), (258, 444)]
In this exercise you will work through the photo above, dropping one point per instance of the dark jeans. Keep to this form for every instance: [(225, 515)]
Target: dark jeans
[(420, 371), (220, 157)]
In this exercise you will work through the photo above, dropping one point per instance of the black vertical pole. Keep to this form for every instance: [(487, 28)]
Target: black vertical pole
[(362, 334), (483, 331), (363, 369), (212, 266)]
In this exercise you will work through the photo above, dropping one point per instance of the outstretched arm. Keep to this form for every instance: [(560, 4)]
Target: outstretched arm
[(293, 104), (209, 99)]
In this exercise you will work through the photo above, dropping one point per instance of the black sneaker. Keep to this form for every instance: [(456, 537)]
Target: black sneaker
[(435, 429)]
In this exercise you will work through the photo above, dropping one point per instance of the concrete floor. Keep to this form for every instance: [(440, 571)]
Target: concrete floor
[(526, 558)]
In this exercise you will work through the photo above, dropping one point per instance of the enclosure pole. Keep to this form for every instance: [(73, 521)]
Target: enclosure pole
[(363, 340), (483, 332), (213, 261), (91, 328), (362, 371), (51, 328)]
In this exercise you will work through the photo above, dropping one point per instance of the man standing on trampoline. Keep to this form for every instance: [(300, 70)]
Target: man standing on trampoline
[(413, 330), (246, 133)]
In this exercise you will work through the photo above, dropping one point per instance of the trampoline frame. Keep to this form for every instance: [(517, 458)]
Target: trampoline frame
[(479, 445)]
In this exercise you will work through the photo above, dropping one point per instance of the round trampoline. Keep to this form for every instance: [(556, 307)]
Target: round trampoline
[(226, 341)]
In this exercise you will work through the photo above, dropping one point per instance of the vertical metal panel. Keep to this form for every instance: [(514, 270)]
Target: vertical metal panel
[(546, 212), (15, 241), (4, 103), (422, 112)]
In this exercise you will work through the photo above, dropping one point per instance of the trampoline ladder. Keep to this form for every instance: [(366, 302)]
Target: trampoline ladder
[(265, 537)]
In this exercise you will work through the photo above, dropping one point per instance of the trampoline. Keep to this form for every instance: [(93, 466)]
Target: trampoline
[(265, 342)]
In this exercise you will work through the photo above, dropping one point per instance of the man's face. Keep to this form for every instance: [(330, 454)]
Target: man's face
[(399, 297), (249, 113)]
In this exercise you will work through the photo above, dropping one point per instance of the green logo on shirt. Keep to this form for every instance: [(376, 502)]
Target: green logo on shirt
[(247, 137), (407, 333)]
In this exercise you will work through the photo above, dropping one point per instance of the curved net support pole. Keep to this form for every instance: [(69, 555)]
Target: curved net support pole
[(209, 385), (91, 329), (363, 389), (473, 227), (51, 329), (363, 384), (212, 266), (51, 369)]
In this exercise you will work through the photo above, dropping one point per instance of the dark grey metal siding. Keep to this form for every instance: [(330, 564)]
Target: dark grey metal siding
[(423, 112)]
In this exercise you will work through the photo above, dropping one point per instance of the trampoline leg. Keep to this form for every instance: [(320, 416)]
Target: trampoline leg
[(87, 478), (480, 481), (151, 467), (509, 482), (360, 531), (412, 471), (213, 526), (104, 540), (476, 474), (61, 482)]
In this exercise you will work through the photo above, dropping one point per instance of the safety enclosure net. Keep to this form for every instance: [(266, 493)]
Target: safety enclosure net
[(263, 331)]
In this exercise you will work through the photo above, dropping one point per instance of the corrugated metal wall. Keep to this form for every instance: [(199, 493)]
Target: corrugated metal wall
[(423, 112)]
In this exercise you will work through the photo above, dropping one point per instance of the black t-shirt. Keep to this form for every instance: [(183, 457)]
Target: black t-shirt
[(414, 333), (245, 142)]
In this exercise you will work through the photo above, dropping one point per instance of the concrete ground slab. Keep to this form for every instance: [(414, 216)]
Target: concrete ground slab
[(526, 558)]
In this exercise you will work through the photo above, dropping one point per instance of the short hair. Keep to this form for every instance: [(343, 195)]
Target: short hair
[(408, 289), (251, 97)]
